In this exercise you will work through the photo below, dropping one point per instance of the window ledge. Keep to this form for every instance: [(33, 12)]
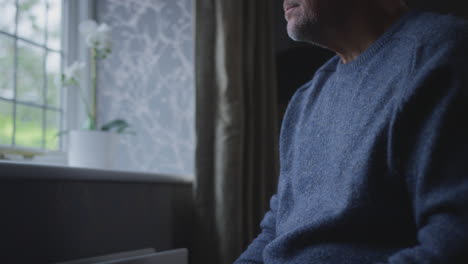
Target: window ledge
[(32, 156), (17, 170)]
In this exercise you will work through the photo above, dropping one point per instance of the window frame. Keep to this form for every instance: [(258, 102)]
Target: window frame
[(74, 12), (72, 110)]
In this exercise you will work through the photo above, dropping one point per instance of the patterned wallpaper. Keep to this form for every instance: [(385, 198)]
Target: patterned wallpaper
[(148, 80)]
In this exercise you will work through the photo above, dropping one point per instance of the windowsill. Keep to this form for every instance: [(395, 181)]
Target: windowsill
[(32, 155), (21, 170)]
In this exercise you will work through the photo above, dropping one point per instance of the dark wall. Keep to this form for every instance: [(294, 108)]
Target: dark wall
[(49, 215), (455, 7)]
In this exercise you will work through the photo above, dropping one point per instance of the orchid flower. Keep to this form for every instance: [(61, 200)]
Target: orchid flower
[(98, 40), (97, 37), (72, 74)]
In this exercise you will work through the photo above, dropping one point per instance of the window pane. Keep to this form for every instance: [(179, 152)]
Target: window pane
[(6, 122), (7, 59), (30, 75), (52, 130), (7, 19), (53, 27), (31, 20), (28, 126), (53, 74)]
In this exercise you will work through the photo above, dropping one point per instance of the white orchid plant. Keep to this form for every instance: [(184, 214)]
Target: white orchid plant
[(98, 40)]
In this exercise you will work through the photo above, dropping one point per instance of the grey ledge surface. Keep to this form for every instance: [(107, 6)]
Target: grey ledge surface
[(21, 171)]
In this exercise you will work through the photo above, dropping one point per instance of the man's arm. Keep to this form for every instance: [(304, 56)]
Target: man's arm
[(253, 254), (430, 151)]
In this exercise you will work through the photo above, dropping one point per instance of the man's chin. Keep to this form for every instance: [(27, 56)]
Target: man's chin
[(304, 31), (294, 32)]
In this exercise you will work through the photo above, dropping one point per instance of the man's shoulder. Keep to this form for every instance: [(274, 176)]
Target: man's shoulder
[(435, 39), (432, 30), (439, 54), (429, 25)]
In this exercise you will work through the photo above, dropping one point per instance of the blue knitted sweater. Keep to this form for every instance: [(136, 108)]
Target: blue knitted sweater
[(374, 155)]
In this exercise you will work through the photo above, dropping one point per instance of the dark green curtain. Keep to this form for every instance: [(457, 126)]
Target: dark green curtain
[(236, 125)]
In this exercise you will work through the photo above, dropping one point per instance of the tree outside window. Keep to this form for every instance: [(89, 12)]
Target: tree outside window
[(31, 107)]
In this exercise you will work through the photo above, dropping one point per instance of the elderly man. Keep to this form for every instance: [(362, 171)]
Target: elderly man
[(374, 149)]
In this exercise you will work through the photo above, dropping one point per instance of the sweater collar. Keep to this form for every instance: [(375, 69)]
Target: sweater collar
[(376, 46)]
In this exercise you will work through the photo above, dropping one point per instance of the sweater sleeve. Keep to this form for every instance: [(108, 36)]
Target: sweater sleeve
[(253, 254), (429, 140)]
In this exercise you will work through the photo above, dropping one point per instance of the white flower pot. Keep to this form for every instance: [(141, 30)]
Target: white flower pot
[(91, 149)]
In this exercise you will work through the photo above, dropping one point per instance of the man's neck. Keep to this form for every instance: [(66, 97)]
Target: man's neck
[(362, 29)]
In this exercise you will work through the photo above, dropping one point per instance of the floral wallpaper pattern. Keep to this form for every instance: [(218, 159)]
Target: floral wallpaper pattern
[(148, 80)]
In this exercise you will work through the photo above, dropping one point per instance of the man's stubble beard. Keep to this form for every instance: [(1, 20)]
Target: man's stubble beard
[(300, 31), (306, 29), (317, 25)]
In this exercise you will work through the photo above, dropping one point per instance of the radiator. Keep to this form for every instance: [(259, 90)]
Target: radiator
[(143, 256)]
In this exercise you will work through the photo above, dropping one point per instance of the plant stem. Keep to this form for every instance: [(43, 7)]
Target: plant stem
[(93, 125), (83, 98)]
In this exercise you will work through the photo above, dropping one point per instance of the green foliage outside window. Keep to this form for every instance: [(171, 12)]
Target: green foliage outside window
[(32, 76), (30, 135)]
